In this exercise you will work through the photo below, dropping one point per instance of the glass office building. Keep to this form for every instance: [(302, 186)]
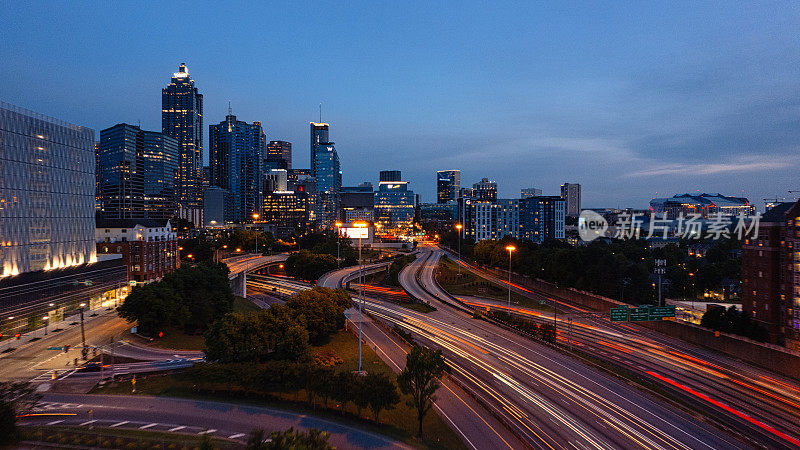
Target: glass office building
[(237, 151), (394, 204), (47, 185), (137, 173)]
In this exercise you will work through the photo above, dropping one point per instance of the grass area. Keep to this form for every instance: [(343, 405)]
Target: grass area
[(178, 340), (470, 284), (398, 423), (121, 438)]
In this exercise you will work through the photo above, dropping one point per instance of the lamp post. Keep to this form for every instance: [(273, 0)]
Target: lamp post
[(46, 319), (255, 217), (510, 249), (459, 227), (83, 333), (338, 243), (360, 297)]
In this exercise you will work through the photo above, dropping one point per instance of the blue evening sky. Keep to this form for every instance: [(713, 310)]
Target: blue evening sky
[(632, 100)]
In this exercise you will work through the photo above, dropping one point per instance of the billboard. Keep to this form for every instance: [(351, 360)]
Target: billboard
[(355, 233)]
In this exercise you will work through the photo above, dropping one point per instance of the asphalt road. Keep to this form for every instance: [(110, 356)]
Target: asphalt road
[(762, 405), (220, 419)]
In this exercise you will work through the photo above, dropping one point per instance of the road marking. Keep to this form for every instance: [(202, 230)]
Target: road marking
[(236, 436), (88, 422), (144, 427), (177, 428), (119, 424), (55, 422), (207, 431)]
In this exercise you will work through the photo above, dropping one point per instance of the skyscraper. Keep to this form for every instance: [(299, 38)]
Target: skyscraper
[(237, 152), (182, 118), (448, 185), (394, 202), (319, 134), (571, 193), (326, 169), (279, 155), (138, 171)]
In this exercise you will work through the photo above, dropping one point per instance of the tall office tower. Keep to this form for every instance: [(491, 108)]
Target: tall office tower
[(448, 185), (182, 118), (138, 173), (329, 184), (237, 152), (46, 193), (571, 193), (319, 135), (530, 192), (390, 175), (279, 155), (394, 204), (485, 190)]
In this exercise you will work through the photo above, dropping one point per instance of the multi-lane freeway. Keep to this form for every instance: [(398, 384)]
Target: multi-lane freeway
[(759, 404), (549, 399)]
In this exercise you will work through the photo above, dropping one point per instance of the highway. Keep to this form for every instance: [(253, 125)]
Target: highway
[(550, 399), (758, 403), (186, 416)]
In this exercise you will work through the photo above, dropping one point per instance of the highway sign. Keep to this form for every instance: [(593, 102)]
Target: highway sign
[(639, 314), (658, 312), (619, 314)]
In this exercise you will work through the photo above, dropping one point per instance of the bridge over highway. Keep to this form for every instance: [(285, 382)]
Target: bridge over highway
[(240, 265)]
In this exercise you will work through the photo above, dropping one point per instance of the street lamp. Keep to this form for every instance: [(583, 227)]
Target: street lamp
[(360, 297), (510, 249), (83, 333), (459, 227), (338, 242), (45, 318), (255, 217)]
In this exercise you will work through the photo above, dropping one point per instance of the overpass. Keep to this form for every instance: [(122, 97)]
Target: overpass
[(240, 265)]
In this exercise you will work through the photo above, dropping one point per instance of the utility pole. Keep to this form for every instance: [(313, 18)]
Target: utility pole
[(661, 269)]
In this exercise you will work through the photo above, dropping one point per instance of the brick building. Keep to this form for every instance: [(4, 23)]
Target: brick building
[(771, 275), (149, 247)]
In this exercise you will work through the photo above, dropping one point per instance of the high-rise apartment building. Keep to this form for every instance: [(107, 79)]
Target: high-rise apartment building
[(571, 193), (448, 185), (182, 119), (237, 152), (771, 274), (279, 155), (485, 190), (47, 199), (137, 173), (542, 218)]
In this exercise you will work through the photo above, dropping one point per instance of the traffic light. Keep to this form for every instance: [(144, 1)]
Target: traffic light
[(17, 336), (160, 334)]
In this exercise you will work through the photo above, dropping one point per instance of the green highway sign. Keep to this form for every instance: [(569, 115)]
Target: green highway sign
[(639, 314), (659, 312), (619, 314)]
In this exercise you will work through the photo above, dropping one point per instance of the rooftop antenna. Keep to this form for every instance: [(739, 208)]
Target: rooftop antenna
[(230, 111), (320, 113)]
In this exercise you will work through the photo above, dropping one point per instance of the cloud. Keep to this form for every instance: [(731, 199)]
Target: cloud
[(736, 165)]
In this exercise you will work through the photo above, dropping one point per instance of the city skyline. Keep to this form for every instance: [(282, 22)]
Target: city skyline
[(629, 122)]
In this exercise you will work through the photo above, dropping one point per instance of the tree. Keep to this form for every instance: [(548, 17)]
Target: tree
[(257, 440), (341, 388), (308, 266), (323, 310), (420, 379), (381, 393), (16, 398)]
